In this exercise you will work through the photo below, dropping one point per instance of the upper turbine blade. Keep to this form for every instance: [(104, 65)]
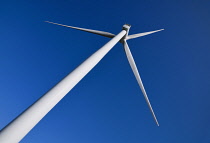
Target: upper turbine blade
[(102, 33), (138, 78), (141, 34)]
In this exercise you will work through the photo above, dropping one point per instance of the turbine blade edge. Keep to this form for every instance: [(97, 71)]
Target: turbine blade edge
[(102, 33), (141, 34), (138, 78)]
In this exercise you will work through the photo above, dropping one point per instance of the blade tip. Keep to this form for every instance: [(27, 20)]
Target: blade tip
[(48, 21), (157, 122)]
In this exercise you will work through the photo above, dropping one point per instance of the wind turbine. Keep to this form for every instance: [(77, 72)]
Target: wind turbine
[(21, 125)]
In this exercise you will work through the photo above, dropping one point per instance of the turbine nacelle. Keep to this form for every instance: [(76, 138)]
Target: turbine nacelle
[(125, 27)]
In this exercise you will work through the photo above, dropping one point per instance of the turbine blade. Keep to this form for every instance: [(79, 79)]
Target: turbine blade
[(102, 33), (141, 34), (138, 78)]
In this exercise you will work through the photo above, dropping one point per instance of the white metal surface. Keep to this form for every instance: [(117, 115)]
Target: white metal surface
[(19, 127), (138, 78), (102, 33), (141, 34)]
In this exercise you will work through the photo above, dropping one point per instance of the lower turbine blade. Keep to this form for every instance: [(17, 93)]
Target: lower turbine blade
[(138, 78), (102, 33)]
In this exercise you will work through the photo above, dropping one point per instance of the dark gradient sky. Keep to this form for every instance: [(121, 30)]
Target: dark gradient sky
[(107, 106)]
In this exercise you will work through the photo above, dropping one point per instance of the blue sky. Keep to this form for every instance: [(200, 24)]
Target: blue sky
[(107, 106)]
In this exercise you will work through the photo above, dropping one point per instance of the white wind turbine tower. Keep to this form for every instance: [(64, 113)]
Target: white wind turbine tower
[(21, 125)]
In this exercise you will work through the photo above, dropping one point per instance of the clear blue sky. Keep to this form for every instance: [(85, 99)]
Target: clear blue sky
[(107, 106)]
